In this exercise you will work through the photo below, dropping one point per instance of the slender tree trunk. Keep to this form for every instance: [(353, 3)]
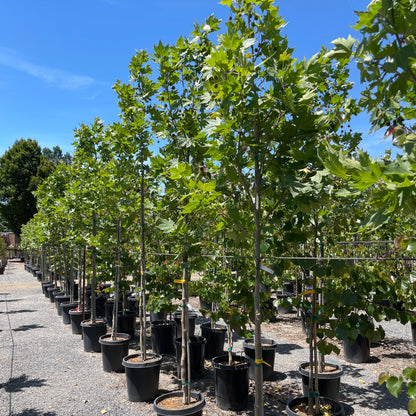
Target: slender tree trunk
[(116, 282), (71, 277), (258, 405), (185, 361), (142, 311), (83, 283), (94, 270), (79, 276), (60, 266), (66, 276)]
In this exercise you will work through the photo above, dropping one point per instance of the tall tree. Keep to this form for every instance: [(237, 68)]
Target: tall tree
[(19, 170)]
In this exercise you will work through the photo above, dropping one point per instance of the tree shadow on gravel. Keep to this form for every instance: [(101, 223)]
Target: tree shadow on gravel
[(33, 412), (16, 384), (20, 311), (373, 396), (287, 348), (27, 327)]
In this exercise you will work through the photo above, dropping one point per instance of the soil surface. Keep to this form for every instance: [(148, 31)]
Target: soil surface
[(45, 371)]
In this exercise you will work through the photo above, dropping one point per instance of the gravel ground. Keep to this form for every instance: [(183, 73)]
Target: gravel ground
[(45, 371)]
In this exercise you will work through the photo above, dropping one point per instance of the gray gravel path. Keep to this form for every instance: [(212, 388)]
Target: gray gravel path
[(45, 371)]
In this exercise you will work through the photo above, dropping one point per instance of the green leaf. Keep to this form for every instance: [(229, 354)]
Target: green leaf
[(166, 226), (394, 385), (411, 389), (412, 406), (410, 373), (382, 378), (264, 246), (348, 299)]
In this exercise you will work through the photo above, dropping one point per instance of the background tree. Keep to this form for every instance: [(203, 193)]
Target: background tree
[(23, 167), (18, 170), (56, 155)]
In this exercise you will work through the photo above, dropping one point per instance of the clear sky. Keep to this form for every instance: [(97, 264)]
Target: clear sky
[(59, 59)]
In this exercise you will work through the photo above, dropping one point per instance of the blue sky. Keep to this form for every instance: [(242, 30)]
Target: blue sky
[(59, 60)]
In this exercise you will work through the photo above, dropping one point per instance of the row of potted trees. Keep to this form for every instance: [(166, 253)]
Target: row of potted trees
[(217, 167)]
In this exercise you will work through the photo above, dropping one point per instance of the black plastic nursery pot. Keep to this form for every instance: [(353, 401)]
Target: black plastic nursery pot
[(231, 382), (177, 316), (297, 404), (50, 292), (66, 307), (113, 351), (108, 307), (268, 352), (170, 404), (215, 339), (92, 331), (413, 328), (54, 293), (328, 381), (205, 305), (157, 316), (142, 376), (133, 304), (58, 300), (45, 288), (196, 356), (77, 316), (357, 352), (127, 323), (163, 335)]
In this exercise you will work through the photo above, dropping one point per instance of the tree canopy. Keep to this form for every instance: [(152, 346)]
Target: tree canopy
[(23, 167)]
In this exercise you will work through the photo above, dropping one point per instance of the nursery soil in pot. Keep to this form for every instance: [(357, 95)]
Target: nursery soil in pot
[(170, 404), (175, 403), (299, 407)]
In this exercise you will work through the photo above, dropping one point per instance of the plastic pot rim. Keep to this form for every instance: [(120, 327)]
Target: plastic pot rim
[(199, 405), (244, 363), (75, 312), (103, 341), (162, 323), (341, 412), (100, 321), (329, 375), (143, 364), (193, 339), (271, 344), (207, 325)]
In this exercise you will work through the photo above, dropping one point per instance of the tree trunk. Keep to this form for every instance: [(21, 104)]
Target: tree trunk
[(142, 311), (116, 283), (94, 270), (258, 375), (185, 361)]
